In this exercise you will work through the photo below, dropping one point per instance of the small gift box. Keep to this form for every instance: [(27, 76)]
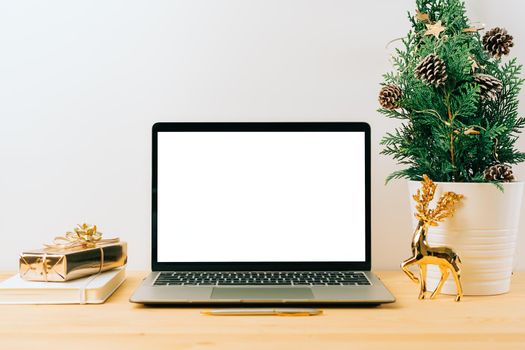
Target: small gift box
[(77, 254)]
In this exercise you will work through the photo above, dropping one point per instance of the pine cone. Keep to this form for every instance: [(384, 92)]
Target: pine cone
[(490, 86), (389, 96), (432, 70), (497, 42), (499, 172)]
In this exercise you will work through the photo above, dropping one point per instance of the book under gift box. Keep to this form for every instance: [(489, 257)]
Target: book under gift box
[(52, 265)]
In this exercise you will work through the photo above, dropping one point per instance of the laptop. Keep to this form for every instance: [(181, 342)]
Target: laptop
[(261, 213)]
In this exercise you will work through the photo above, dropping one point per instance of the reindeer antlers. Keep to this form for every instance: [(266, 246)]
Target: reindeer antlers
[(423, 197), (445, 207)]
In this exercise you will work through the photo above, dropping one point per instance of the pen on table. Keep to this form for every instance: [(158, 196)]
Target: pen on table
[(263, 312)]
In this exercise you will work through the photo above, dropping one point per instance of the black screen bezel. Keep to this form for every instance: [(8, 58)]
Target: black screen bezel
[(261, 127)]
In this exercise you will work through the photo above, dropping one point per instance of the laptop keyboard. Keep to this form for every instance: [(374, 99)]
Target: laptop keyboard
[(309, 278)]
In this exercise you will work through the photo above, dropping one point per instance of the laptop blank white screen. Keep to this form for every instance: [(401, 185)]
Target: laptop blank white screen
[(261, 196)]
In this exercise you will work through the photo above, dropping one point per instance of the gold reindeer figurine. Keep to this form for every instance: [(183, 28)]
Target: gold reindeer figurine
[(445, 258)]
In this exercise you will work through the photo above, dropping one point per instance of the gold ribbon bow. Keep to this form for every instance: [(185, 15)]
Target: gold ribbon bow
[(83, 236)]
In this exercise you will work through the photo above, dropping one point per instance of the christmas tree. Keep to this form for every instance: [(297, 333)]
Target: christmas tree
[(457, 99)]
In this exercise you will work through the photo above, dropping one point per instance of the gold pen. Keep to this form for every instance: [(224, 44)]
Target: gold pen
[(263, 312)]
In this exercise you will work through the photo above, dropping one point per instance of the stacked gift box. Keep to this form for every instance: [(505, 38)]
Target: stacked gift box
[(78, 254)]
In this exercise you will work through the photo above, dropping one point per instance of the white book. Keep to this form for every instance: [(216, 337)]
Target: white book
[(94, 289)]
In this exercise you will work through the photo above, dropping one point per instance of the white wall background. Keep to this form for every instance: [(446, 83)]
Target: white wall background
[(81, 83)]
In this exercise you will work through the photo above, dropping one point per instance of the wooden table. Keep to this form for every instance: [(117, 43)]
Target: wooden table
[(496, 322)]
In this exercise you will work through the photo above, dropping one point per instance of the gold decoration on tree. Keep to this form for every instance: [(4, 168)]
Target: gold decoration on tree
[(471, 131), (435, 29), (389, 96), (474, 29), (422, 17), (473, 64), (471, 30), (445, 258)]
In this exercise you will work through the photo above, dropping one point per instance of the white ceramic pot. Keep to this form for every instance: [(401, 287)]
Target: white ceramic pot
[(483, 233)]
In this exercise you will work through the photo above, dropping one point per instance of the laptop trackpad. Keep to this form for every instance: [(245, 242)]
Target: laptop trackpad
[(261, 293)]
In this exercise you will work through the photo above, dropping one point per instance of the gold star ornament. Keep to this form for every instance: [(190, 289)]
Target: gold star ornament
[(435, 29), (473, 64)]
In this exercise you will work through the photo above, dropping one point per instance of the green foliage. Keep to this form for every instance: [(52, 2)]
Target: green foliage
[(449, 132)]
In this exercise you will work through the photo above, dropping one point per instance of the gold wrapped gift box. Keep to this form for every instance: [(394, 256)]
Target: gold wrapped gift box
[(59, 265)]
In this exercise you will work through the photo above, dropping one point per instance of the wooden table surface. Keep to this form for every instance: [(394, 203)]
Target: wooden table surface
[(496, 322)]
